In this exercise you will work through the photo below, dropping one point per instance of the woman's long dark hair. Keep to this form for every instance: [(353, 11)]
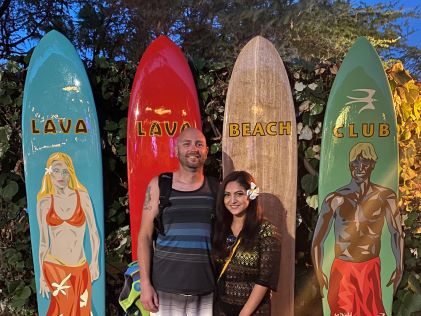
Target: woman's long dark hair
[(224, 218)]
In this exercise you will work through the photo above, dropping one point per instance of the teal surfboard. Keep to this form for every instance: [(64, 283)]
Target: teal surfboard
[(358, 240), (63, 176)]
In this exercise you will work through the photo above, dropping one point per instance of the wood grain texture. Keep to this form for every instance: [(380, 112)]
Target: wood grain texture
[(259, 100)]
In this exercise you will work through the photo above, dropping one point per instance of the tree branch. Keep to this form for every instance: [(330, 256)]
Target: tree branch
[(5, 5)]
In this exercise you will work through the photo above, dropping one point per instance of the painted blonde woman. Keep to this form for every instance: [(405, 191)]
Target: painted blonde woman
[(64, 209)]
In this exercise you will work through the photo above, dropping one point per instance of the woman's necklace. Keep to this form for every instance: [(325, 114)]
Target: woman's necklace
[(232, 238)]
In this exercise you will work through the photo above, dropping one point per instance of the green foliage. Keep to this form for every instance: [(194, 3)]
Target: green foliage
[(15, 273), (111, 84), (407, 98), (212, 84)]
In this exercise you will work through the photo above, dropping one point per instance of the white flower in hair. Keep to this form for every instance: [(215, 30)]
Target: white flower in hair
[(49, 170), (253, 192)]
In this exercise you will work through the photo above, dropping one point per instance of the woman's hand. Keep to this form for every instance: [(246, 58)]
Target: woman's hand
[(94, 269), (43, 287), (244, 313)]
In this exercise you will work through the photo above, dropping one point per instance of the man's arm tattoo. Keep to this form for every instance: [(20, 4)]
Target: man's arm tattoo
[(147, 205)]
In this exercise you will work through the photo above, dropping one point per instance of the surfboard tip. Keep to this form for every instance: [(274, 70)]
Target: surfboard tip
[(363, 43)]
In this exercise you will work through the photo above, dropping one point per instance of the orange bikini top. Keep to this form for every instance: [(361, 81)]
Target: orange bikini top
[(77, 219)]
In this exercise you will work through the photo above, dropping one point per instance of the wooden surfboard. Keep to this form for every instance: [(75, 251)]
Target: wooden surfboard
[(259, 136), (63, 176), (163, 102), (359, 122)]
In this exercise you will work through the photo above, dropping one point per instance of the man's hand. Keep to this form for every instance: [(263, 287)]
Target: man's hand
[(149, 298), (395, 278), (323, 281), (94, 269)]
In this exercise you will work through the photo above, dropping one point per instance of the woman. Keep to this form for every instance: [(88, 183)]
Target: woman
[(64, 209), (246, 249)]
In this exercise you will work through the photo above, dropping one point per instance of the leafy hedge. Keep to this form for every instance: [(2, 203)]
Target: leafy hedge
[(111, 84)]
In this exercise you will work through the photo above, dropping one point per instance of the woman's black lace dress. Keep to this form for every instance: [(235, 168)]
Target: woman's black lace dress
[(257, 265)]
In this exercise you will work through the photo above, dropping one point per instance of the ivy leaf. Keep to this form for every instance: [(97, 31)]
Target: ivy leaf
[(110, 125), (316, 109), (5, 133), (17, 302), (313, 201), (414, 284), (6, 100), (10, 190), (205, 81), (411, 218), (309, 153), (121, 150), (309, 183), (24, 293), (123, 123), (410, 303), (304, 106), (218, 66), (125, 102), (204, 96), (216, 147), (112, 212), (12, 286), (199, 63), (306, 118), (313, 86), (299, 86), (306, 133), (122, 133), (209, 80)]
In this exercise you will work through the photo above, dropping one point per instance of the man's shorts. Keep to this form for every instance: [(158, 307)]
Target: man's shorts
[(184, 305), (355, 288)]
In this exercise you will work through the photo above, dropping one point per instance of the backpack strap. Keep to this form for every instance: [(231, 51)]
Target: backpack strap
[(165, 186), (214, 185)]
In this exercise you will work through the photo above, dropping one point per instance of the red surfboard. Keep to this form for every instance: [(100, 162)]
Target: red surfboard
[(163, 102)]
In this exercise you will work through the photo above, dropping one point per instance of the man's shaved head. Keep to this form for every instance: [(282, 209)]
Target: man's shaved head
[(191, 148), (189, 132)]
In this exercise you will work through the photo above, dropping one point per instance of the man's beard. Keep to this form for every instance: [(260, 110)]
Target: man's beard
[(186, 162)]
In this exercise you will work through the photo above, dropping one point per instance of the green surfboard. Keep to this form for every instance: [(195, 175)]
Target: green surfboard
[(358, 241)]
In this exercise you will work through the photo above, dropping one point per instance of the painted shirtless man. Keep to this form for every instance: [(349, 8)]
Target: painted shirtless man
[(358, 211)]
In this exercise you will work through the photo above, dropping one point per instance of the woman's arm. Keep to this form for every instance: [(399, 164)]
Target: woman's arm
[(93, 233), (44, 242), (254, 300), (269, 246)]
